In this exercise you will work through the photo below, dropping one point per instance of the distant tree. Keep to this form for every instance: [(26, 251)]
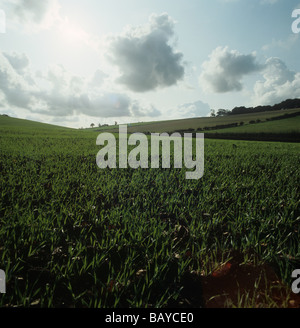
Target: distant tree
[(286, 104), (92, 125), (99, 125), (116, 123), (223, 112), (212, 113)]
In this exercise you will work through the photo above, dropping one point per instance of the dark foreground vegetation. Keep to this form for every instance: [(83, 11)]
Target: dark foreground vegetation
[(72, 235)]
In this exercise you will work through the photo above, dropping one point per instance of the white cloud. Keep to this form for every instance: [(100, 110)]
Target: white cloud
[(144, 56), (15, 86), (225, 69), (58, 93), (31, 10), (33, 15), (140, 110), (98, 78), (286, 44), (189, 110), (195, 109), (18, 61), (280, 83)]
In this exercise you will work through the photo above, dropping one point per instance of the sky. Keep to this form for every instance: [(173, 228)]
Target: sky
[(75, 62)]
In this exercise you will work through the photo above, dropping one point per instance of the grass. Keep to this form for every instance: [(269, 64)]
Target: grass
[(198, 123), (264, 126), (11, 124), (72, 235), (279, 126)]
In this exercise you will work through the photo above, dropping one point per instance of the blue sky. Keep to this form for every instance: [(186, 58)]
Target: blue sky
[(72, 62)]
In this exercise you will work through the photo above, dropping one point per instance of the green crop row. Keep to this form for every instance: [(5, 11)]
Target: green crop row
[(72, 234)]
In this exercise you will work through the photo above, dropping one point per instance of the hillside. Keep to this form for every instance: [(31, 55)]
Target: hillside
[(7, 121), (11, 125), (195, 124), (282, 125), (291, 124), (285, 129)]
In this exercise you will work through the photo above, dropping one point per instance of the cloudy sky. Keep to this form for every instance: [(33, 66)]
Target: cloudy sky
[(75, 62)]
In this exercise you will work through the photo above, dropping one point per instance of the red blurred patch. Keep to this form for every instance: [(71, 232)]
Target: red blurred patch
[(222, 270), (111, 285)]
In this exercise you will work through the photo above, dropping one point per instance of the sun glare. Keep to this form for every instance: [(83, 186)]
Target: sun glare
[(71, 32)]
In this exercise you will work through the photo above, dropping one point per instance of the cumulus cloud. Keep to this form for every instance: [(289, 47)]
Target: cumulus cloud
[(58, 93), (144, 56), (225, 69), (189, 110), (18, 61), (35, 13), (287, 44), (140, 110), (195, 109), (279, 83), (15, 88), (98, 78), (31, 9), (33, 16)]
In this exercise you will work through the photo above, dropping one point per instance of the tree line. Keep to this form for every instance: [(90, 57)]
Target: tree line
[(286, 104)]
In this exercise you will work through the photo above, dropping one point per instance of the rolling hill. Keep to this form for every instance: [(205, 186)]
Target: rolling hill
[(201, 122), (283, 125)]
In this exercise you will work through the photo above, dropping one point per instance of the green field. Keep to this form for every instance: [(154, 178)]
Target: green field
[(11, 124), (287, 129), (200, 123), (278, 126), (73, 235)]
